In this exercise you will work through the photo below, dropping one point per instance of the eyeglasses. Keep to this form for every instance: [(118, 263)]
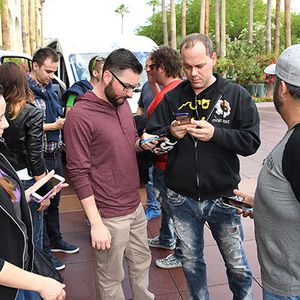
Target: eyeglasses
[(97, 59), (126, 86), (152, 66)]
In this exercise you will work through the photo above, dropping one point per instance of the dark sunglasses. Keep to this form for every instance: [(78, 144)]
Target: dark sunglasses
[(152, 66), (126, 86)]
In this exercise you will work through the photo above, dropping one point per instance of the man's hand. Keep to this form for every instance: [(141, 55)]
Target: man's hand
[(202, 130), (59, 123), (52, 289), (148, 141), (247, 199), (100, 235), (179, 131)]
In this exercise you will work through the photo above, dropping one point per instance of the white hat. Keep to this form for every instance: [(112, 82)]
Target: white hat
[(287, 67)]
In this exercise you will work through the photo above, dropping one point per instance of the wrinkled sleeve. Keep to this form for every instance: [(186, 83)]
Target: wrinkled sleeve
[(78, 137)]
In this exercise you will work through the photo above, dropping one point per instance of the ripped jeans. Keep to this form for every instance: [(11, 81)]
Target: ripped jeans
[(189, 217)]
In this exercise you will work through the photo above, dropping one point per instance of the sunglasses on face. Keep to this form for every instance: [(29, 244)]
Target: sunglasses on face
[(152, 66), (126, 86)]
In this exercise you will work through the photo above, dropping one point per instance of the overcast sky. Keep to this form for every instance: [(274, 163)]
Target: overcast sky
[(94, 17)]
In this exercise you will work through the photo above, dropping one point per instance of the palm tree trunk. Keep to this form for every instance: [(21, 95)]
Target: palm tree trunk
[(31, 14), (23, 26), (250, 24), (277, 28), (164, 22), (5, 26), (173, 24), (202, 16), (206, 25), (217, 27), (122, 24), (287, 21), (268, 27), (223, 28), (42, 24), (183, 19)]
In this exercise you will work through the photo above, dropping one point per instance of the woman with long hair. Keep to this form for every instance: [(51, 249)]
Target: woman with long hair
[(24, 137), (16, 247)]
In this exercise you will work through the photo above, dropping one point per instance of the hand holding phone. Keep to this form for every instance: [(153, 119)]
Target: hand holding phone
[(237, 203), (47, 188), (183, 118)]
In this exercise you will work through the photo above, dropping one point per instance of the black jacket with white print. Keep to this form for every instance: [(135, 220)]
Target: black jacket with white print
[(208, 170)]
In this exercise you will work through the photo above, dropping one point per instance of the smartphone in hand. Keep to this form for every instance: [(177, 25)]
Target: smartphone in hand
[(46, 189), (237, 203), (183, 118)]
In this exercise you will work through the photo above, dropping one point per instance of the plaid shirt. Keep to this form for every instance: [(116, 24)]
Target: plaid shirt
[(47, 146)]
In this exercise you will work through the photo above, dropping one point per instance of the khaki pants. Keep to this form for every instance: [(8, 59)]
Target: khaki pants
[(129, 239)]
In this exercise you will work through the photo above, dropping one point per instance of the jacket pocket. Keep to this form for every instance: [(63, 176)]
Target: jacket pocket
[(174, 199)]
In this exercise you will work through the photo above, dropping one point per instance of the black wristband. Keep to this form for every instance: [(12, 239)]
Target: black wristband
[(140, 144)]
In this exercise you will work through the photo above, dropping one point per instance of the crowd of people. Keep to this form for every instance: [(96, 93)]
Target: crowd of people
[(196, 124)]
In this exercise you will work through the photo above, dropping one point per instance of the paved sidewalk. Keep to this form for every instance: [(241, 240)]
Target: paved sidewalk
[(168, 284)]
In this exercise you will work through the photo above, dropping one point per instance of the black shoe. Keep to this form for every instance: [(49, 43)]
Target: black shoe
[(58, 264), (63, 246)]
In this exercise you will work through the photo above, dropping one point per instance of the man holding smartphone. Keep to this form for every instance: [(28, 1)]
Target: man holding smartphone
[(44, 65), (203, 165), (101, 145), (277, 197)]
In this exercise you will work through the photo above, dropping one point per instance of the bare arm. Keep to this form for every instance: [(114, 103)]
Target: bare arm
[(15, 277)]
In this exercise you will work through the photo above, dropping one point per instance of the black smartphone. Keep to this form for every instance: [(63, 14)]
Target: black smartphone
[(236, 203), (183, 118)]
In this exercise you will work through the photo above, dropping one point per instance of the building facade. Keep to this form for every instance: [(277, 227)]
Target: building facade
[(21, 25)]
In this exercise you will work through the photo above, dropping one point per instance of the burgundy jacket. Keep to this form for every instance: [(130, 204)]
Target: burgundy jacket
[(101, 157)]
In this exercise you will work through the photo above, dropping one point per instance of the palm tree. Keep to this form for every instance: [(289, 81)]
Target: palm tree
[(122, 10), (206, 23), (5, 25), (287, 21), (268, 27), (217, 26), (173, 24), (250, 24), (164, 22), (183, 19), (223, 28), (32, 32), (277, 28), (154, 4), (202, 16)]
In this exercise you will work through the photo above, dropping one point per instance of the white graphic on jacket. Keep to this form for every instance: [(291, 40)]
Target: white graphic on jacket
[(223, 108)]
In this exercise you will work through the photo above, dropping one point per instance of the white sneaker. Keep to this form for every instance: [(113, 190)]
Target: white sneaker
[(169, 262)]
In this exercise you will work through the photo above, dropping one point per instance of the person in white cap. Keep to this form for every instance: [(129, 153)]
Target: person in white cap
[(277, 197)]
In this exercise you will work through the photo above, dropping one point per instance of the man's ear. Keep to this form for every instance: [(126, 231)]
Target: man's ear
[(107, 77), (283, 90), (35, 66)]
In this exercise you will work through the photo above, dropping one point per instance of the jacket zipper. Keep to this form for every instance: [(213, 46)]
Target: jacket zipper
[(196, 144)]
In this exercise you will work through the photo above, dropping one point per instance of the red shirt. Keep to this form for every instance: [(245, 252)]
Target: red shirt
[(161, 160)]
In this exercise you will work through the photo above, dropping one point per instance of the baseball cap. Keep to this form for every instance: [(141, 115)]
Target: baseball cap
[(287, 67)]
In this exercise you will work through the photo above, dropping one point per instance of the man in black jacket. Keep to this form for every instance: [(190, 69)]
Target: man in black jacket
[(203, 164)]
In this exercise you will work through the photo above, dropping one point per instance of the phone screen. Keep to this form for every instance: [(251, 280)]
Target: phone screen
[(183, 118), (47, 187), (236, 203)]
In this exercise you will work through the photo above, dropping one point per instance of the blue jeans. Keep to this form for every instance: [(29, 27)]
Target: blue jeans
[(51, 216), (152, 202), (28, 295), (37, 218), (269, 296), (189, 217), (166, 231)]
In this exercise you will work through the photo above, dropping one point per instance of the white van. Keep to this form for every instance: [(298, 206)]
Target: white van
[(75, 55)]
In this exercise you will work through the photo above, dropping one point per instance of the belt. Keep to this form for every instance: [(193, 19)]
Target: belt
[(52, 154)]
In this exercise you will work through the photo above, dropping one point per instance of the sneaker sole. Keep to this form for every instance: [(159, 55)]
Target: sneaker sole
[(65, 251), (158, 264), (60, 268), (162, 247)]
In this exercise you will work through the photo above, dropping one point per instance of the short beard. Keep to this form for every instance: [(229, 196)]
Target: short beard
[(111, 96)]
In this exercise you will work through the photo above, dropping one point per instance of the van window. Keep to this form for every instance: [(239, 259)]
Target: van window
[(79, 64), (23, 62)]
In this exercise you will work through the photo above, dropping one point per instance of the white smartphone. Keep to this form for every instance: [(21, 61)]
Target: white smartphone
[(46, 189)]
